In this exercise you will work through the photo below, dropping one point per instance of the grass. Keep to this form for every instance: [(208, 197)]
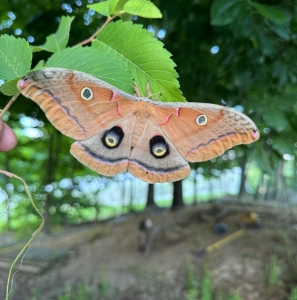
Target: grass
[(198, 284), (152, 285), (274, 271), (203, 289), (206, 285), (103, 285), (82, 292), (293, 295)]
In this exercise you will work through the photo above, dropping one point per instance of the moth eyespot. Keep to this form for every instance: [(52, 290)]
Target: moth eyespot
[(159, 150), (113, 137), (111, 141), (158, 147), (86, 93), (201, 120)]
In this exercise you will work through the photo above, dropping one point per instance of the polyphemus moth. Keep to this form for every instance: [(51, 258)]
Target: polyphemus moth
[(116, 132)]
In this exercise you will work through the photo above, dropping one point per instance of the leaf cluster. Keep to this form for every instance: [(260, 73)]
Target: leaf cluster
[(119, 53), (237, 53), (241, 54), (111, 57)]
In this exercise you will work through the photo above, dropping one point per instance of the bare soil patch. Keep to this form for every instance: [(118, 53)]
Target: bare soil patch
[(114, 259)]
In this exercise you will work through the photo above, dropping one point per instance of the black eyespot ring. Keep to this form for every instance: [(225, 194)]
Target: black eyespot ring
[(201, 120), (86, 93), (158, 147), (113, 137)]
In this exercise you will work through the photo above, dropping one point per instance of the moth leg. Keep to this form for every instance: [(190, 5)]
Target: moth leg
[(149, 92), (160, 94)]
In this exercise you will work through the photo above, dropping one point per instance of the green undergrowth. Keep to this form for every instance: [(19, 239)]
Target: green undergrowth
[(198, 285)]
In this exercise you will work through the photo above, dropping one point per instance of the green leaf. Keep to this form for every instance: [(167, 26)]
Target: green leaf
[(142, 8), (144, 56), (242, 24), (260, 157), (117, 6), (279, 71), (15, 57), (125, 17), (282, 30), (272, 13), (9, 88), (101, 8), (281, 101), (112, 6), (103, 65), (57, 41), (275, 119), (293, 26), (39, 66), (223, 12), (108, 8), (283, 146), (263, 43)]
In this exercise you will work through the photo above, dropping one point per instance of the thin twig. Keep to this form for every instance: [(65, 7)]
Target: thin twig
[(33, 235), (93, 36), (21, 264), (88, 40), (5, 109)]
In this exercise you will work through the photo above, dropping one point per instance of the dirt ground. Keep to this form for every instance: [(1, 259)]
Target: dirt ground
[(113, 259)]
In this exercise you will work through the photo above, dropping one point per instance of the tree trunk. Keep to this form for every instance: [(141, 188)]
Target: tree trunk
[(52, 164), (48, 200), (195, 181), (47, 224), (257, 195), (150, 201), (131, 197), (242, 190), (6, 179), (97, 208), (177, 195), (279, 182), (124, 193)]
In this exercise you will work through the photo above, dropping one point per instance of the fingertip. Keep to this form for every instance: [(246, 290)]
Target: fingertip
[(8, 139)]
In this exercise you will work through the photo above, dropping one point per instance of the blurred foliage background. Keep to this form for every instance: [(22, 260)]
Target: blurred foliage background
[(241, 54)]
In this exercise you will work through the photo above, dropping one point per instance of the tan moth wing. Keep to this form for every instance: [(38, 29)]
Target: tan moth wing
[(116, 132)]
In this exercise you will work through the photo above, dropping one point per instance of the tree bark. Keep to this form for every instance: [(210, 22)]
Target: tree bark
[(177, 195), (6, 179), (48, 200), (52, 164), (257, 195), (242, 190), (195, 182), (150, 201)]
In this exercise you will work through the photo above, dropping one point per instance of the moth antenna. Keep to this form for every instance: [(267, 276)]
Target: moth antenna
[(148, 90), (136, 89)]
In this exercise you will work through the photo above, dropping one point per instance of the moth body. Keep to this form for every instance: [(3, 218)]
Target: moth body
[(116, 132)]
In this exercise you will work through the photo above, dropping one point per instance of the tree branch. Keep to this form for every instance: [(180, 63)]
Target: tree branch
[(93, 36), (7, 106)]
